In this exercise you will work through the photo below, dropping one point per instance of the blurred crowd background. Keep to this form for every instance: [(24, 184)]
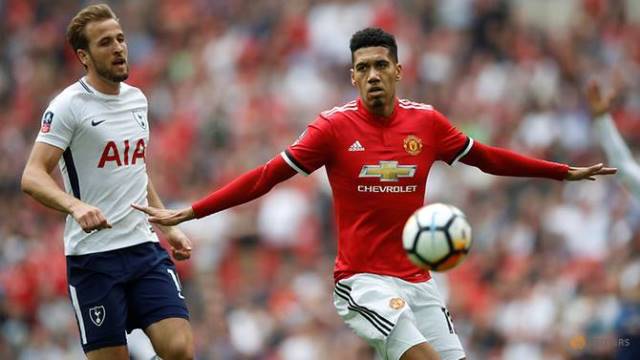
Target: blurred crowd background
[(554, 272)]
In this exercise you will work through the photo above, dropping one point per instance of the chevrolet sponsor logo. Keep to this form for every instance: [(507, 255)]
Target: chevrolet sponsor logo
[(388, 171), (387, 189)]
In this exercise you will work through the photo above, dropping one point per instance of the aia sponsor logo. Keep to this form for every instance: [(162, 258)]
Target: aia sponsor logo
[(125, 155)]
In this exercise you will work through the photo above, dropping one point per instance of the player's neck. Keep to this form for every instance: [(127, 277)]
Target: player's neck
[(388, 109), (382, 110), (102, 85)]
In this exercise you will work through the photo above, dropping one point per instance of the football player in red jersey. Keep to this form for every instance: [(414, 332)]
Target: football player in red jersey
[(377, 151)]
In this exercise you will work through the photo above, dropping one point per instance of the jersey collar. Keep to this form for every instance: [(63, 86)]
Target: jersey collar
[(85, 84), (378, 120)]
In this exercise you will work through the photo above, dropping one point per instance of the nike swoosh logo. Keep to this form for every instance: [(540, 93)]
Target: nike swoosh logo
[(96, 123)]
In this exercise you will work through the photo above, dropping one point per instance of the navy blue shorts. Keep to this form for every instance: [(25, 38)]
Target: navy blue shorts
[(121, 290)]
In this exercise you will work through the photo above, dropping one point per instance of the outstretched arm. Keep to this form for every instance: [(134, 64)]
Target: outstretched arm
[(615, 148), (245, 188), (618, 153), (503, 162), (498, 161)]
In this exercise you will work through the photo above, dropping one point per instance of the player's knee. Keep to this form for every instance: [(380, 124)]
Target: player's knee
[(422, 351), (179, 347)]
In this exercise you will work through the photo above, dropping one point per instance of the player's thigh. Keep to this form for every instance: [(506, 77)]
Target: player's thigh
[(157, 305), (422, 351), (156, 294), (171, 336), (406, 342), (372, 308), (109, 353), (435, 323), (99, 303)]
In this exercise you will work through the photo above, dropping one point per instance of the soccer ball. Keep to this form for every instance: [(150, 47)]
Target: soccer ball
[(437, 237)]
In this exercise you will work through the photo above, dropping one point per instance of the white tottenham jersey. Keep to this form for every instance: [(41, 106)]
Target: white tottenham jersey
[(104, 138), (618, 153)]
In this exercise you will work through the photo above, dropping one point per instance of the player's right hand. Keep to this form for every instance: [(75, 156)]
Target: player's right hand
[(588, 173), (180, 243), (165, 217), (89, 217)]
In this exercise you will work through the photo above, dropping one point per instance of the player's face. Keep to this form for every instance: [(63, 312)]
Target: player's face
[(107, 55), (375, 74)]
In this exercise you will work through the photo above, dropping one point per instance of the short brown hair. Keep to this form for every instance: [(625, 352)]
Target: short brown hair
[(76, 30)]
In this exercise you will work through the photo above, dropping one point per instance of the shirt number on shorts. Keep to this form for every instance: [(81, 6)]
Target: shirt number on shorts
[(447, 317), (176, 281)]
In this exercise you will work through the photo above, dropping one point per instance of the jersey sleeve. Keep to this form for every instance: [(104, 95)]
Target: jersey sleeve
[(57, 124), (452, 144), (313, 148), (245, 188), (618, 153)]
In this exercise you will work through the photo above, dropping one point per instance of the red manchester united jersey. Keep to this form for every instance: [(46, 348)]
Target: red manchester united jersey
[(377, 168)]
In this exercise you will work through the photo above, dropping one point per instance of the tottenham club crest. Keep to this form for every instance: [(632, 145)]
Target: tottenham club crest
[(139, 117), (412, 145), (97, 315)]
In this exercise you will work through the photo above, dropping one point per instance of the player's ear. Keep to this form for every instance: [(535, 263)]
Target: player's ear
[(353, 79), (398, 72), (83, 56)]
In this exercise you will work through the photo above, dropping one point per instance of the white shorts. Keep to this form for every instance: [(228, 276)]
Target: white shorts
[(393, 315)]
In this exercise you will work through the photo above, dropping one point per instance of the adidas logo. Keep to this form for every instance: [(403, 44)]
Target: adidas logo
[(356, 146)]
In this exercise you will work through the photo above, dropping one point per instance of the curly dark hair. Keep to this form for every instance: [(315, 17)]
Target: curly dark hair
[(374, 37)]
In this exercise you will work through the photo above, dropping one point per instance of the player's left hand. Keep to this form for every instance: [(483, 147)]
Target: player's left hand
[(165, 217), (180, 243), (589, 173)]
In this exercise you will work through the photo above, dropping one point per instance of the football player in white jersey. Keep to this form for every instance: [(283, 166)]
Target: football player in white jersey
[(617, 151), (97, 131), (620, 155)]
